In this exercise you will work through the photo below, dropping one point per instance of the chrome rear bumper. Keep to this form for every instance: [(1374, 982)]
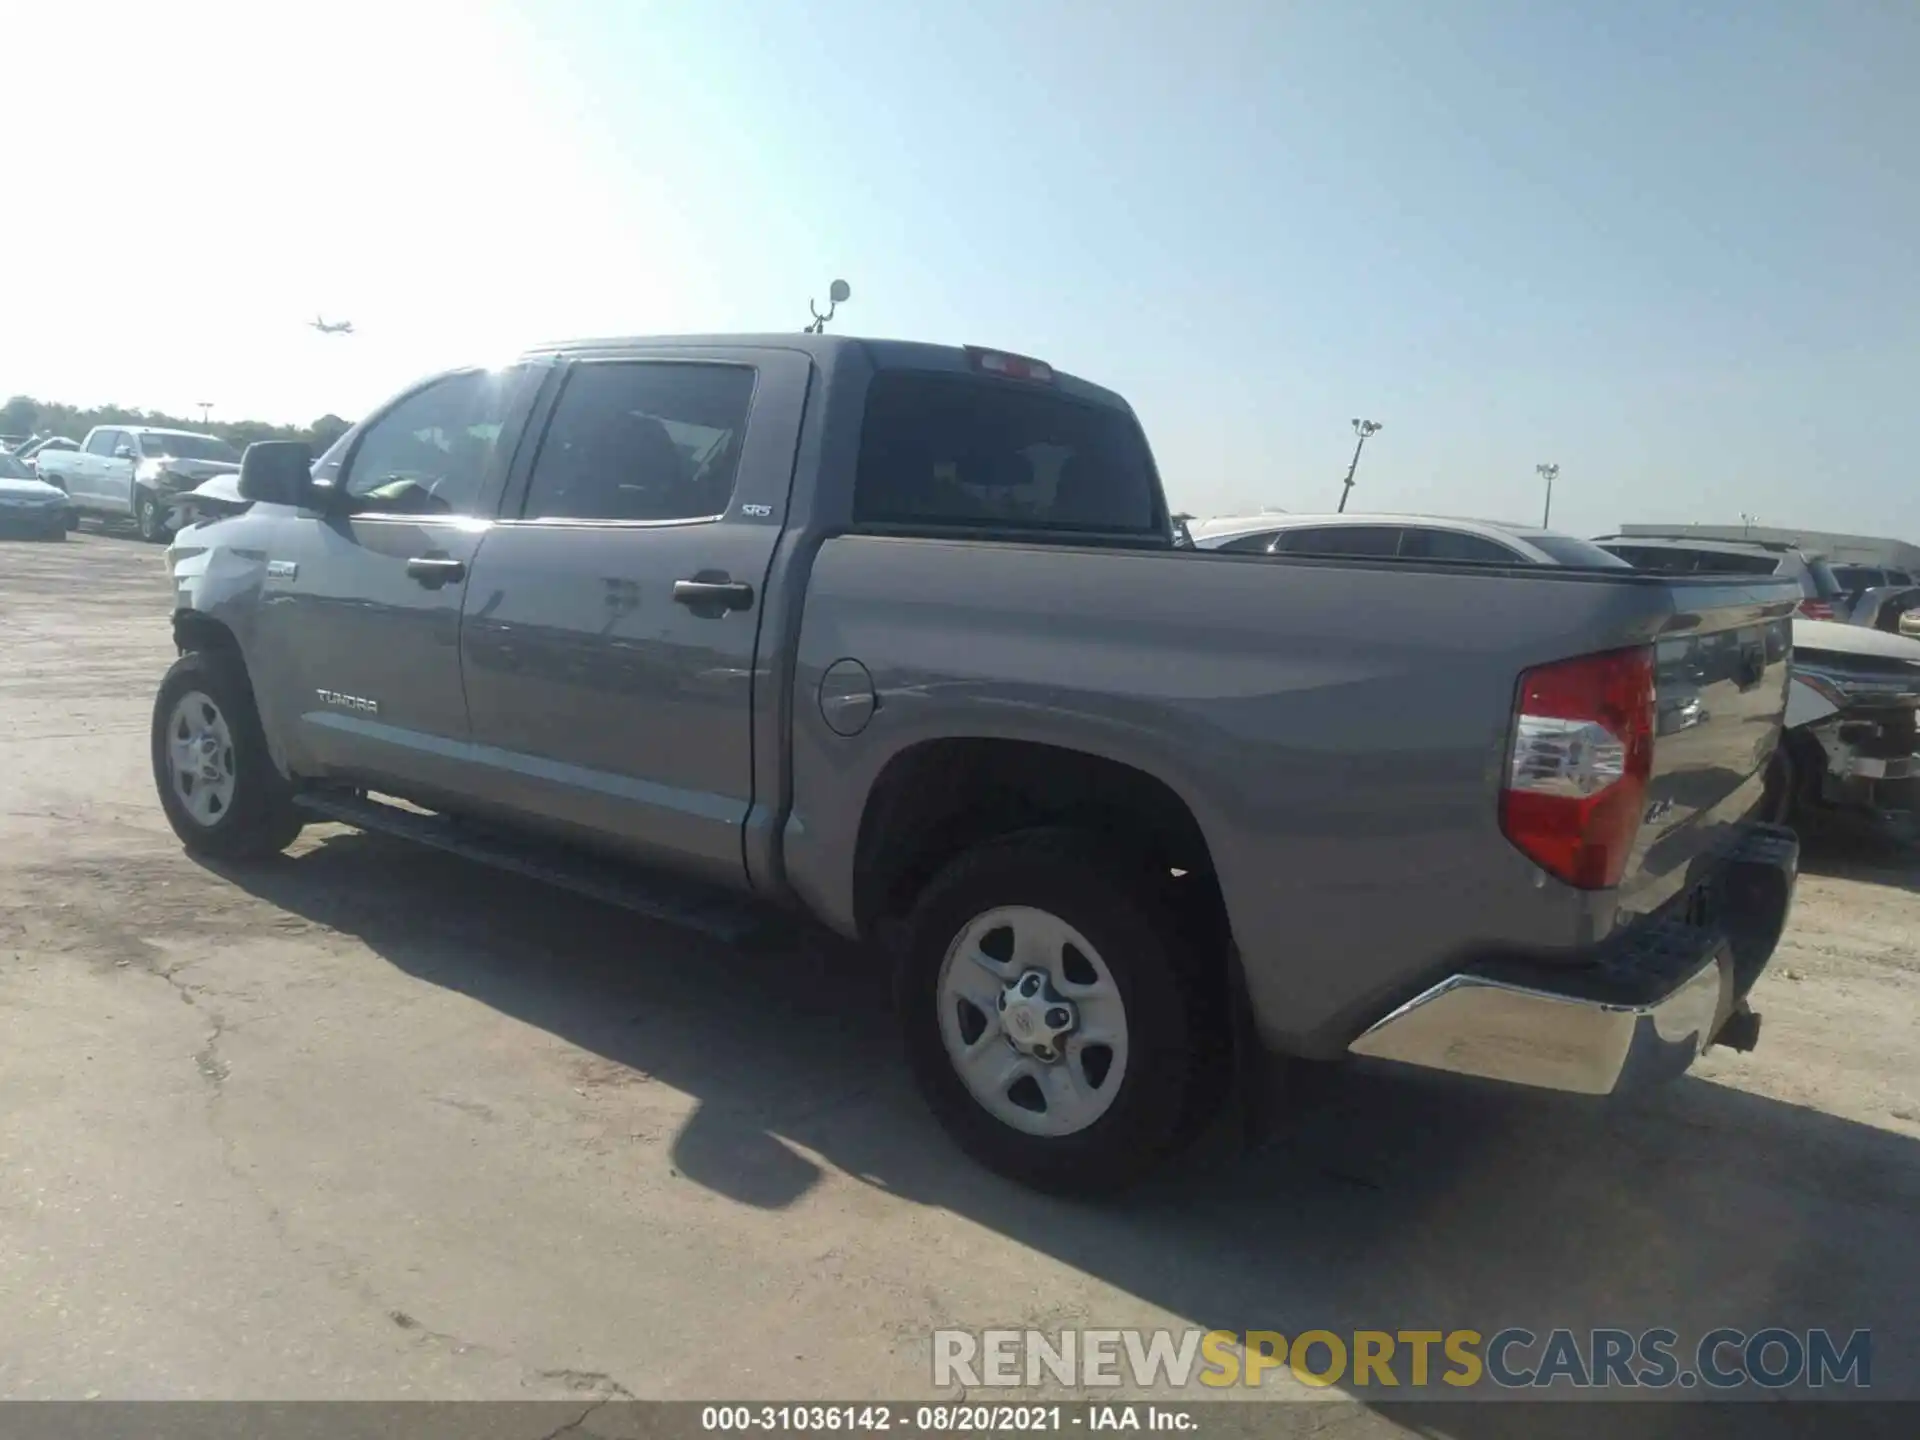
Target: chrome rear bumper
[(1659, 1001), (1498, 1031)]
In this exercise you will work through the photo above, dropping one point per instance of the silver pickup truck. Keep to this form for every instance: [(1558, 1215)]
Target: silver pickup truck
[(899, 635)]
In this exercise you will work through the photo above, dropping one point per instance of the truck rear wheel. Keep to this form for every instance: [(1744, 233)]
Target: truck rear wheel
[(218, 784), (1052, 1018)]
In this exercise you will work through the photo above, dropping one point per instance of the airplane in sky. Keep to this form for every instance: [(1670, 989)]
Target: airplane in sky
[(340, 327)]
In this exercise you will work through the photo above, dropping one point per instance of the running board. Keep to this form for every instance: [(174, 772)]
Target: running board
[(689, 904)]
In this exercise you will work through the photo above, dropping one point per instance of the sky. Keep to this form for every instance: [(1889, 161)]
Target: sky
[(1670, 246)]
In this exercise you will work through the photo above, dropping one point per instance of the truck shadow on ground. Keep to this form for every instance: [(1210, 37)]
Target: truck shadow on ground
[(1382, 1201), (1851, 853)]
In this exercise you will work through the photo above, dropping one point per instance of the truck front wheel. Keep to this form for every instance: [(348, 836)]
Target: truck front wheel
[(147, 515), (1053, 1020), (223, 794)]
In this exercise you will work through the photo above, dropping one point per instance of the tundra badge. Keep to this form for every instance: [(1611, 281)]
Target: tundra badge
[(348, 702)]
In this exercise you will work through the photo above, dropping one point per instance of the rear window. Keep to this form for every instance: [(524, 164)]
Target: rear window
[(1570, 550), (1673, 560), (948, 450), (1857, 577), (1827, 583)]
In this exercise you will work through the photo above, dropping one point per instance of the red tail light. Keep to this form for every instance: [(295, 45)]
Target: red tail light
[(1817, 609), (1577, 772)]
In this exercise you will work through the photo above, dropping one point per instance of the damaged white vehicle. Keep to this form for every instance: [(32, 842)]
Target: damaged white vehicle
[(1847, 745), (215, 500), (1849, 740)]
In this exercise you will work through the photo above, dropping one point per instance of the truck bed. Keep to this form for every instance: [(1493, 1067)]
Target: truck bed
[(1339, 730)]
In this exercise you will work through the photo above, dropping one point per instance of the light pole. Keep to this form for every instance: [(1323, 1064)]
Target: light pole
[(1547, 473), (206, 407), (1365, 429), (1747, 522)]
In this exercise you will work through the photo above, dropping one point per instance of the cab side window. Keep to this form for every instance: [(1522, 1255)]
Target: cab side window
[(1250, 544), (642, 441), (101, 442), (1423, 544), (1371, 542), (431, 453)]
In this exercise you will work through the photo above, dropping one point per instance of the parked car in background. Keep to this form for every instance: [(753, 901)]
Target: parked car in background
[(1823, 597), (1879, 597), (1855, 578), (11, 443), (134, 472), (28, 505), (1401, 537), (1121, 814), (1848, 742), (29, 454)]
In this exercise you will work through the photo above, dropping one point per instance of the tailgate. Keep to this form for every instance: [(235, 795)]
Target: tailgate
[(1721, 667)]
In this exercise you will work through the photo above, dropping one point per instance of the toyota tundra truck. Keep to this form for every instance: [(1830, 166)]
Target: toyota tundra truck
[(899, 635)]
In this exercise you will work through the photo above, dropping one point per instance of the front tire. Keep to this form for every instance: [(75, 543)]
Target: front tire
[(222, 793), (147, 517), (1054, 1021)]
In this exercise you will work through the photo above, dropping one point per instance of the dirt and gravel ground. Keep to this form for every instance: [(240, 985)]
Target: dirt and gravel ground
[(375, 1123)]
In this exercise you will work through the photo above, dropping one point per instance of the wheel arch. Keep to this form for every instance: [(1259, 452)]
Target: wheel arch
[(195, 630), (938, 798)]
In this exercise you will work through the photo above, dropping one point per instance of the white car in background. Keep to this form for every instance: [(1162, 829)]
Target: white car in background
[(135, 471), (1400, 537)]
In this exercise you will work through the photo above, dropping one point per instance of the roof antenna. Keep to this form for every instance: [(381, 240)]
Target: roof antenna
[(837, 294)]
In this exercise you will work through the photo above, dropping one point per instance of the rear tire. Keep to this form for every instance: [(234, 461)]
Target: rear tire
[(223, 795), (1079, 921)]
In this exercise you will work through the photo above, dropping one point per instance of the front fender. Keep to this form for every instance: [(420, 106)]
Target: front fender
[(218, 579)]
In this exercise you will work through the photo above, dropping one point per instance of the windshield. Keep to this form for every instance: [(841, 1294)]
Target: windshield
[(187, 447), (1571, 550), (12, 469)]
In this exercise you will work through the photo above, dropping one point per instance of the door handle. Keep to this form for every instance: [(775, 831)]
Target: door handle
[(712, 598), (433, 571)]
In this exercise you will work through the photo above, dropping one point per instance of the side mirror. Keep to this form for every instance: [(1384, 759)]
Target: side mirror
[(277, 472), (124, 452)]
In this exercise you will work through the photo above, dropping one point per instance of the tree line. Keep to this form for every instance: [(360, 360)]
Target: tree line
[(24, 415)]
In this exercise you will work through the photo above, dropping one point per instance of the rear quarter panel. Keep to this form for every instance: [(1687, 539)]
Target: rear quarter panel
[(1338, 731)]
